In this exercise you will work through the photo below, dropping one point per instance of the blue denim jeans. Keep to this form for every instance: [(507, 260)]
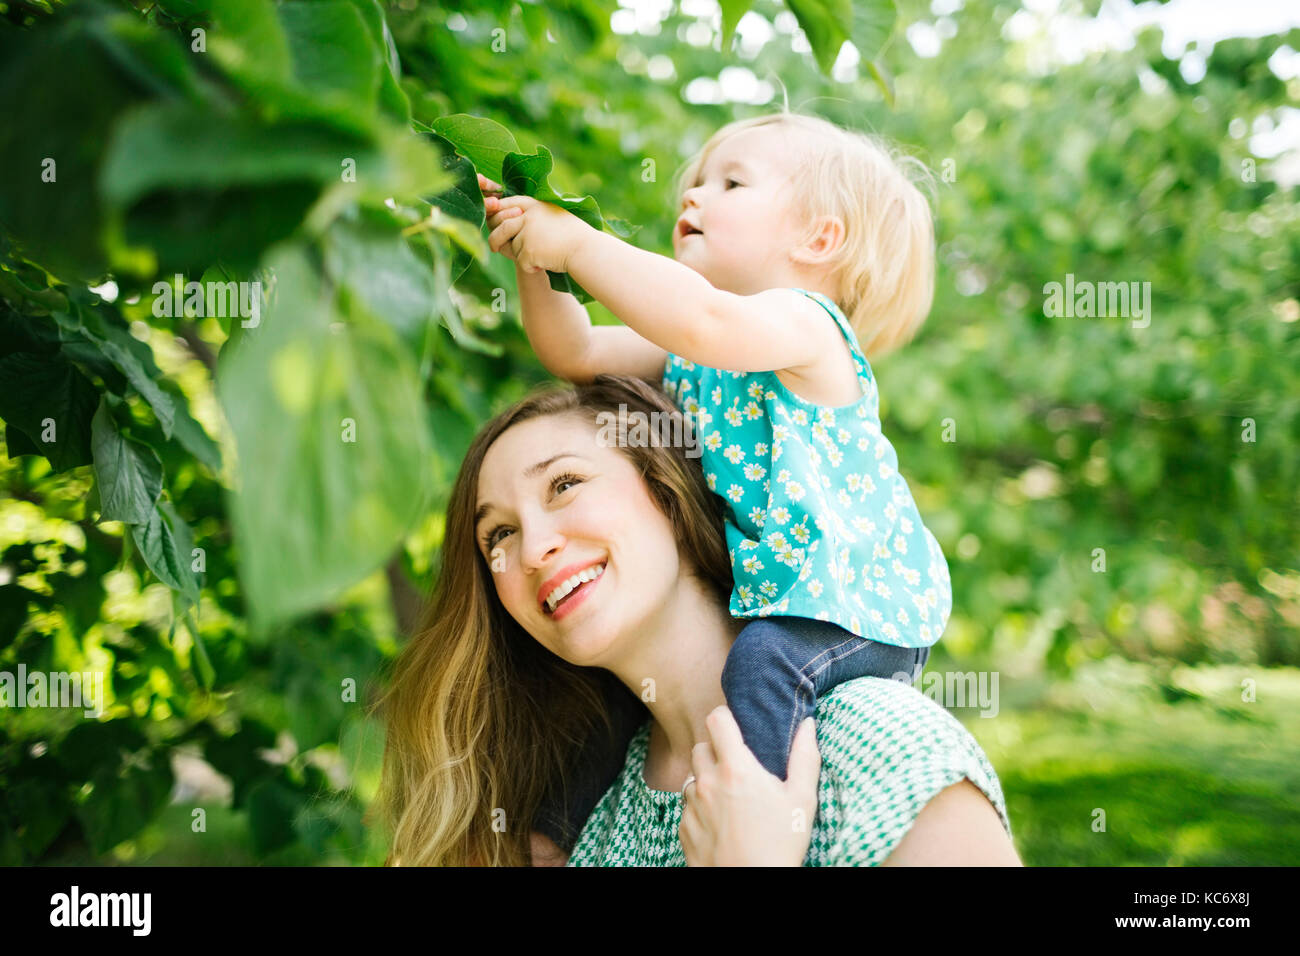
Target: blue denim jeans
[(779, 666)]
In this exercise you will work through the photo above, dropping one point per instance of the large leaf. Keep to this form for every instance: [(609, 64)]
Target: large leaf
[(198, 187), (128, 471), (371, 259), (46, 395), (314, 512), (165, 543), (827, 24), (125, 352)]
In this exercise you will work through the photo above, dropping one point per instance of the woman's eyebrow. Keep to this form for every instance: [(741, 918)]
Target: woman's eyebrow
[(532, 471)]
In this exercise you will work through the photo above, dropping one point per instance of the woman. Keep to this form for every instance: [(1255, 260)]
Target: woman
[(515, 670)]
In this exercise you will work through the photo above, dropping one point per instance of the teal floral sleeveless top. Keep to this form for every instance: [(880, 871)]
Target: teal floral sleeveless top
[(820, 524)]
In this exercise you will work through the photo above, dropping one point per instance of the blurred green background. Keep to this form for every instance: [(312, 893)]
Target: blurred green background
[(1118, 504)]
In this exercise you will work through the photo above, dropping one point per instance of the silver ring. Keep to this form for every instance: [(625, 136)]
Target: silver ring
[(689, 780)]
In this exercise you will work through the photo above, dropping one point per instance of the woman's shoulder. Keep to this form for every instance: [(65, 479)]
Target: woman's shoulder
[(886, 751)]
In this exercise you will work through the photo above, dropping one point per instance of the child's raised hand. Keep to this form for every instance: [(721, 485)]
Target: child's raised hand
[(492, 204)]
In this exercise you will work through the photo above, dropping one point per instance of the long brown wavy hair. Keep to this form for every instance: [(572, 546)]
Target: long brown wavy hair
[(482, 720)]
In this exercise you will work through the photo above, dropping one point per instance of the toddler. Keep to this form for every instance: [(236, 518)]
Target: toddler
[(834, 570)]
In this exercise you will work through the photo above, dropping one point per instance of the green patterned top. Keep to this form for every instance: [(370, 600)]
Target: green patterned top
[(886, 751)]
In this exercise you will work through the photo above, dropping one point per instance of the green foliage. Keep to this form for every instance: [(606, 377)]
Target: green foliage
[(200, 497)]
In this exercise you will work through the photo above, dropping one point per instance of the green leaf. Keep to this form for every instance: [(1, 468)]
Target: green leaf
[(129, 472), (122, 802), (827, 24), (873, 22), (483, 142), (272, 807), (331, 49), (165, 543), (61, 93), (46, 395), (198, 187), (192, 436), (238, 757), (333, 444), (129, 355), (172, 146), (732, 11), (391, 98), (376, 265)]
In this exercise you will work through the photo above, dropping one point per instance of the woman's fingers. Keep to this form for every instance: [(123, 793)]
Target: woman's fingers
[(728, 742), (703, 762)]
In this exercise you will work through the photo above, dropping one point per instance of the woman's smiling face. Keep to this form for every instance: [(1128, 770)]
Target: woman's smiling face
[(557, 505)]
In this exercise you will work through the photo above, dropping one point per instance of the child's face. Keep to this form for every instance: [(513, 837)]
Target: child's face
[(740, 202)]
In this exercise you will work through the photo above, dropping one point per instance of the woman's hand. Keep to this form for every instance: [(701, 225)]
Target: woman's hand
[(738, 814)]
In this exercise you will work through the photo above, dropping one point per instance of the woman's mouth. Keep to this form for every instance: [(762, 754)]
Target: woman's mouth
[(571, 592)]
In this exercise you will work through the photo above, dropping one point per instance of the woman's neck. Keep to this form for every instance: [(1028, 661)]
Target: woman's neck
[(675, 667)]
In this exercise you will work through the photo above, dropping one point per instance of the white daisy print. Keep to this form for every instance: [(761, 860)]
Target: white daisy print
[(734, 454), (714, 441), (815, 588), (755, 471), (751, 564), (794, 490), (735, 492), (780, 514)]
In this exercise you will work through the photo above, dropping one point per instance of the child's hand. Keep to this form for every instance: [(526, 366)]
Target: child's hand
[(491, 203), (540, 235)]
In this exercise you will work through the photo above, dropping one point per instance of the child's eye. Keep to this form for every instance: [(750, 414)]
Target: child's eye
[(730, 181)]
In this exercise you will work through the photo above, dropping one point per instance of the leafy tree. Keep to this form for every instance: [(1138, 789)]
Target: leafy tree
[(226, 496)]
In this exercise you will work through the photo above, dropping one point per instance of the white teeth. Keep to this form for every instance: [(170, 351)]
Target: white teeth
[(561, 592)]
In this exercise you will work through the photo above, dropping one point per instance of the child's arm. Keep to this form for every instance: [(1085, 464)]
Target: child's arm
[(677, 309), (569, 346)]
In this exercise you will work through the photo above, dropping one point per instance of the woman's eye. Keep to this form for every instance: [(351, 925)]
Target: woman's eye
[(493, 537), (560, 484)]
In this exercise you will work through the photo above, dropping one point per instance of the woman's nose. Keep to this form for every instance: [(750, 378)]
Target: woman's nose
[(541, 543)]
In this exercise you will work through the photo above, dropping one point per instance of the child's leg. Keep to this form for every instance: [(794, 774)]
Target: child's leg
[(779, 666), (562, 815)]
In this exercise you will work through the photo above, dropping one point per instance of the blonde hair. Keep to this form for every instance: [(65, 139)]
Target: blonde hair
[(482, 720), (883, 272)]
